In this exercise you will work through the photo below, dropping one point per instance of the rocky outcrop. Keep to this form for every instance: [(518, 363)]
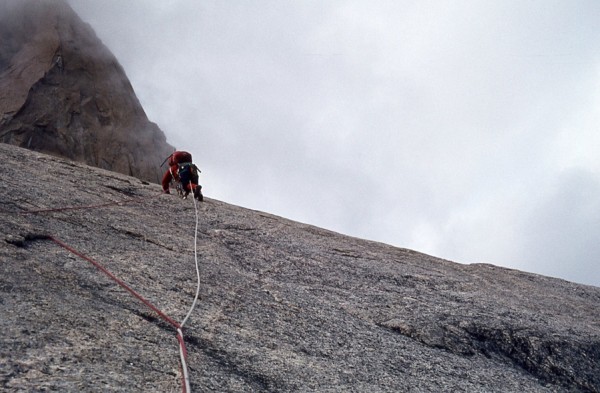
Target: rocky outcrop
[(64, 93), (284, 306)]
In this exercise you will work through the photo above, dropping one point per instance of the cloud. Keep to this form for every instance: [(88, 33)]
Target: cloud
[(448, 127), (559, 235)]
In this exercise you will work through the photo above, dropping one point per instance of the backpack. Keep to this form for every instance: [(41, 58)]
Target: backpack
[(188, 172)]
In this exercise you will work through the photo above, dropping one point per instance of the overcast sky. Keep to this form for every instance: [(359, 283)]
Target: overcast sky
[(465, 129)]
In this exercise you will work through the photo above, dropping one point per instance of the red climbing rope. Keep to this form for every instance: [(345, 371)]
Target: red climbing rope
[(165, 317), (117, 280), (178, 326)]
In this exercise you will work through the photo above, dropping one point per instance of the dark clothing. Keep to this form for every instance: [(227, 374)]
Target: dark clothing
[(188, 173)]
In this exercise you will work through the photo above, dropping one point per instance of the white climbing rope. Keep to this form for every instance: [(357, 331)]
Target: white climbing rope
[(197, 267), (182, 354)]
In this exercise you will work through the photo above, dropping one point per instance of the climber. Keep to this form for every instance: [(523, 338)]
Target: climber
[(183, 171)]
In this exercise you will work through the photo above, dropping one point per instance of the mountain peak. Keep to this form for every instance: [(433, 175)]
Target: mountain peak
[(64, 93)]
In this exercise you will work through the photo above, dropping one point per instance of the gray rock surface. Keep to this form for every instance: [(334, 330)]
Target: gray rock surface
[(63, 92), (284, 306)]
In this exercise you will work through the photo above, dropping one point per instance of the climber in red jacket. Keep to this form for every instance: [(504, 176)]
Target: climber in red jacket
[(182, 170)]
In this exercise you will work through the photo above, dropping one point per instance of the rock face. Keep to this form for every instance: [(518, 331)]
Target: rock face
[(284, 306), (62, 92)]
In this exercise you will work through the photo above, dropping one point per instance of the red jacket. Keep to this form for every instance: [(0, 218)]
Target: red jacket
[(180, 157), (177, 158)]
